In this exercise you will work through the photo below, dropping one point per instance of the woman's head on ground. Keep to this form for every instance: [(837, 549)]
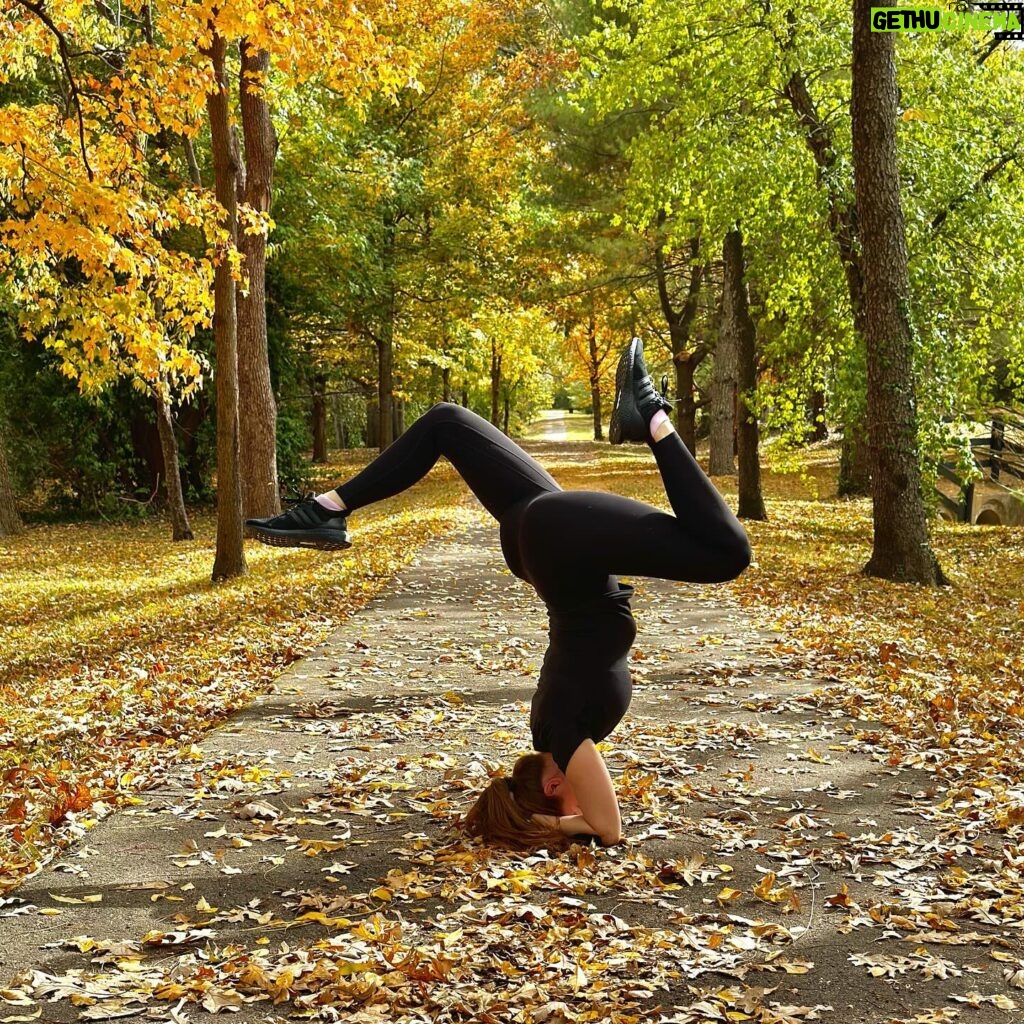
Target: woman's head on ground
[(503, 813)]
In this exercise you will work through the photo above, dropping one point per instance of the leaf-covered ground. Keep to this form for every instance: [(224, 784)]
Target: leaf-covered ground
[(814, 831), (116, 649)]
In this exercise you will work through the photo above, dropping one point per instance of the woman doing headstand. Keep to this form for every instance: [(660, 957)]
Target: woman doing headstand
[(571, 546)]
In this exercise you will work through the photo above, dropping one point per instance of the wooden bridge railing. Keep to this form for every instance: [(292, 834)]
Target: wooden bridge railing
[(1000, 456)]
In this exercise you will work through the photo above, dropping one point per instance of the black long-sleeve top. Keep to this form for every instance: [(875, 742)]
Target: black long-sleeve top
[(584, 687)]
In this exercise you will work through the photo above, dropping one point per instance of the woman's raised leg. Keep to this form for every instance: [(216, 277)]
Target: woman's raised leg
[(496, 469)]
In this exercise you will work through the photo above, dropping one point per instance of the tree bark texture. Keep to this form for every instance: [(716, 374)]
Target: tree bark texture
[(685, 357), (258, 439), (10, 520), (594, 368), (722, 438), (229, 560), (901, 548), (180, 528), (738, 324)]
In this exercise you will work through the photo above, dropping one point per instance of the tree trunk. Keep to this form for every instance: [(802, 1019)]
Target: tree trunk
[(595, 378), (843, 225), (397, 417), (854, 462), (738, 325), (386, 338), (338, 424), (680, 324), (372, 424), (816, 416), (506, 410), (446, 384), (229, 560), (901, 547), (686, 406), (258, 438), (319, 418), (180, 528), (722, 439), (495, 381), (10, 520), (385, 385), (465, 397)]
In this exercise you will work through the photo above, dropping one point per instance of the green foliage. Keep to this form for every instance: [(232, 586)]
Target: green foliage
[(74, 455), (722, 142), (293, 442)]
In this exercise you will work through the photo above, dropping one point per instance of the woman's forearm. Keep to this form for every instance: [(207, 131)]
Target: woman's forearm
[(577, 824)]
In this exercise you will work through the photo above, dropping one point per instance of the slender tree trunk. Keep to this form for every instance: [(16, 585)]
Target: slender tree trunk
[(816, 416), (258, 438), (446, 384), (319, 418), (506, 410), (843, 225), (495, 381), (373, 424), (229, 560), (595, 377), (738, 325), (386, 385), (386, 340), (722, 439), (854, 461), (338, 425), (901, 547), (398, 417), (685, 358), (686, 404), (180, 528), (10, 520)]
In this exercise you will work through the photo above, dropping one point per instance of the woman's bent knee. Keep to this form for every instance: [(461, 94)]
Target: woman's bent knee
[(736, 558)]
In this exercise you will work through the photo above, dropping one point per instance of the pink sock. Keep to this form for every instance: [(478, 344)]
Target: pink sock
[(656, 421), (330, 503)]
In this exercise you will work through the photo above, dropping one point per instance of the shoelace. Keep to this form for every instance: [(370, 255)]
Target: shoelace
[(293, 501)]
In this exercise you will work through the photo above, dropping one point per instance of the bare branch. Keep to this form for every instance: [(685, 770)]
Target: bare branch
[(65, 57), (940, 218)]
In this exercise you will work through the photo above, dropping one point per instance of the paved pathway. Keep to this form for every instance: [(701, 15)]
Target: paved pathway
[(306, 853)]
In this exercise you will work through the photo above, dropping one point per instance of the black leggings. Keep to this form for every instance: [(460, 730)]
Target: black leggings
[(567, 544)]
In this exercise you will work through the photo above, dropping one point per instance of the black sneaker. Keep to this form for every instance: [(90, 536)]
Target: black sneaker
[(307, 524), (636, 399)]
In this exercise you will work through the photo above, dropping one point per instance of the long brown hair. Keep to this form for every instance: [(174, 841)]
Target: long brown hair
[(502, 812)]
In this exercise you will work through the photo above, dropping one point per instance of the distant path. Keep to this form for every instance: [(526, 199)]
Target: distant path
[(560, 425), (550, 427)]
